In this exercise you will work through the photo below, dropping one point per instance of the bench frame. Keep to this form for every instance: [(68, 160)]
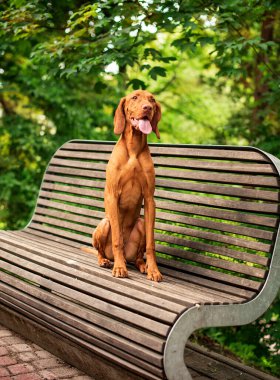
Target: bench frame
[(194, 318)]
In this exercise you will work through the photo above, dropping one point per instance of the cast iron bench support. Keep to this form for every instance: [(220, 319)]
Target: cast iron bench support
[(217, 239)]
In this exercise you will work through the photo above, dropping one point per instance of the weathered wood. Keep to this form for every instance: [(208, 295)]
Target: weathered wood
[(210, 274), (209, 188), (165, 217), (178, 230), (181, 151)]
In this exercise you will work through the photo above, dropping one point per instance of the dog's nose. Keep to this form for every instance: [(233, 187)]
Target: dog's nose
[(147, 107)]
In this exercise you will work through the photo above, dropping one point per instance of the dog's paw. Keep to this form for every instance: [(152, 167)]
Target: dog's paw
[(104, 263), (120, 271), (140, 265), (154, 274)]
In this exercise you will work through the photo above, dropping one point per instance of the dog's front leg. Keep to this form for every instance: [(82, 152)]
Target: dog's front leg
[(151, 266), (112, 208)]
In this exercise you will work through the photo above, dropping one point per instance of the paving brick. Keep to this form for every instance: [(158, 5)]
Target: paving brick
[(9, 340), (27, 376), (20, 368), (3, 351), (7, 360), (21, 347), (21, 359), (3, 372), (27, 356), (48, 363), (65, 371), (36, 347), (44, 354), (47, 375), (5, 332)]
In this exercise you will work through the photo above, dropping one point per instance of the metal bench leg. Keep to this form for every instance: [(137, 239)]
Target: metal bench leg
[(174, 361)]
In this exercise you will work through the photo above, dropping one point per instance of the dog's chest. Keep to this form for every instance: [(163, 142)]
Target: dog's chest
[(131, 184)]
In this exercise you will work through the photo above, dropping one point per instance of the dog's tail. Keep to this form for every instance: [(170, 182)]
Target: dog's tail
[(89, 250)]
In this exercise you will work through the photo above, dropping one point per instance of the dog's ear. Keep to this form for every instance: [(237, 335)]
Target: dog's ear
[(119, 119), (156, 119)]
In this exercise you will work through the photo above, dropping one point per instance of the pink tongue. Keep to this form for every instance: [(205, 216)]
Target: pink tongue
[(145, 126)]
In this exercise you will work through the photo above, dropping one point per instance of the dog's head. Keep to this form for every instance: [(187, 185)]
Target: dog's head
[(139, 110)]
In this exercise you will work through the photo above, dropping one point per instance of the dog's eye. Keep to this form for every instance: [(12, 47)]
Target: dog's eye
[(153, 100), (134, 97)]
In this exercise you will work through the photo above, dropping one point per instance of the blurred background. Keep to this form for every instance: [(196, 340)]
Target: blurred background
[(213, 65)]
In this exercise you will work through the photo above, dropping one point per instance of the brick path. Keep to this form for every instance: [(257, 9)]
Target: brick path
[(21, 359)]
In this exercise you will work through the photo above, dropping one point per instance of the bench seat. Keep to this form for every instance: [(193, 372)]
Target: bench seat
[(216, 234)]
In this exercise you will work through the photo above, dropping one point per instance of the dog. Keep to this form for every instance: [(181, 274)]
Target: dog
[(123, 236)]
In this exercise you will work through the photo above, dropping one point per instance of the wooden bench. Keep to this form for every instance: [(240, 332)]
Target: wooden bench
[(217, 239)]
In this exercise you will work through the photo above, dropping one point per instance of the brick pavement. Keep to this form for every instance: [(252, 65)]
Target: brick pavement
[(21, 359)]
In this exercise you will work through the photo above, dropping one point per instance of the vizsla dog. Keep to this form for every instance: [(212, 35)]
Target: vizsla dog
[(123, 236)]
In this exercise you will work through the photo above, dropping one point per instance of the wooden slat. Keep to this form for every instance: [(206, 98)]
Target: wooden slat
[(67, 243), (63, 224), (213, 261), (205, 283), (73, 190), (218, 214), (174, 251), (79, 164), (232, 167), (67, 323), (192, 209), (49, 205), (183, 185), (207, 188), (220, 277), (83, 155), (72, 199), (270, 208), (165, 216), (187, 186), (165, 227), (252, 180), (92, 316), (211, 225), (223, 153), (212, 249), (180, 185), (40, 255), (61, 233), (94, 146), (87, 263), (78, 256), (238, 179), (94, 303), (169, 289), (126, 302), (77, 351), (219, 166), (75, 181), (255, 245), (180, 150), (76, 172)]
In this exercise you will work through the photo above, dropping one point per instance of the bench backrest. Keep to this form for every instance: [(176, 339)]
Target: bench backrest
[(217, 207)]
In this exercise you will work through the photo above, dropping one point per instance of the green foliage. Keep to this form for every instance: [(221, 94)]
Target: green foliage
[(64, 65)]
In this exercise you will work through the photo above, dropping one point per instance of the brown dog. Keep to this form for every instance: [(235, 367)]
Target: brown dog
[(122, 235)]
